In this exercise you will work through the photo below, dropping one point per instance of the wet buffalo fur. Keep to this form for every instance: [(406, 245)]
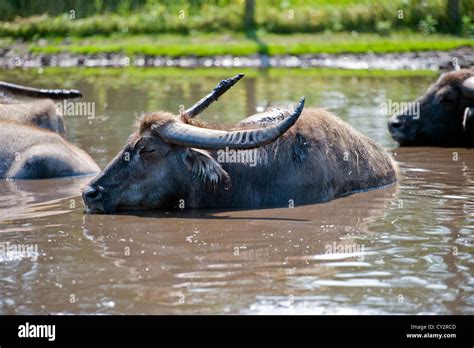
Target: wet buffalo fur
[(318, 159), (28, 152), (40, 113)]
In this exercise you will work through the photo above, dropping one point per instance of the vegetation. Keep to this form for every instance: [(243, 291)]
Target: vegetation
[(238, 27), (148, 74), (211, 44), (50, 18)]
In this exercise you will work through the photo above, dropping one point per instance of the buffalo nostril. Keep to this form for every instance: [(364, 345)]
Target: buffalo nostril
[(396, 124), (91, 193)]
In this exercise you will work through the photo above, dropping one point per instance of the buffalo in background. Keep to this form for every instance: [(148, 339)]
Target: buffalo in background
[(32, 135), (446, 114)]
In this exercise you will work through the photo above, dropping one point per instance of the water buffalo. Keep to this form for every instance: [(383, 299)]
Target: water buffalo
[(33, 153), (444, 115), (304, 156), (32, 133), (32, 106)]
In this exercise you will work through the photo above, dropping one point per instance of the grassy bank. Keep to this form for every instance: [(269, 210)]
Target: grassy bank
[(149, 73), (209, 44), (80, 18), (216, 27)]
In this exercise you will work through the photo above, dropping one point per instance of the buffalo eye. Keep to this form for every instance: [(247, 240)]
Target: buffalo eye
[(146, 150), (448, 98), (144, 146)]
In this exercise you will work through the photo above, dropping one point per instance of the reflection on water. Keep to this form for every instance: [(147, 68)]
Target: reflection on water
[(402, 249), (31, 199)]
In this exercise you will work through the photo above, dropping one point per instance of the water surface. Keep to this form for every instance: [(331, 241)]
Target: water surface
[(406, 248)]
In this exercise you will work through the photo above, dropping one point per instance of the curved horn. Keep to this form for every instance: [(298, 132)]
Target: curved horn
[(467, 87), (204, 103), (39, 93), (265, 118), (202, 138)]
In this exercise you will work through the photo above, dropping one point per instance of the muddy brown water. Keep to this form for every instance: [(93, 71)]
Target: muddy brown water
[(407, 248)]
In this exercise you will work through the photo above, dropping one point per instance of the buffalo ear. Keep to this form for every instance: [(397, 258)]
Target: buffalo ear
[(205, 167), (467, 88)]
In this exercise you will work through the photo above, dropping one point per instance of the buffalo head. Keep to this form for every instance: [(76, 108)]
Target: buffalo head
[(444, 116), (167, 154)]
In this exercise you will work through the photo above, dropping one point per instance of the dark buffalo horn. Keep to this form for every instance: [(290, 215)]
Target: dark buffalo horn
[(39, 93), (204, 103), (265, 118), (467, 87), (468, 122), (190, 136)]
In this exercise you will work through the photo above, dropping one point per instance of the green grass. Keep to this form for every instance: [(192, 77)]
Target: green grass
[(208, 44), (149, 73), (202, 28), (50, 18)]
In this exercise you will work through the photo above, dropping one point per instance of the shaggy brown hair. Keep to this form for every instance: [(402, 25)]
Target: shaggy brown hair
[(155, 118)]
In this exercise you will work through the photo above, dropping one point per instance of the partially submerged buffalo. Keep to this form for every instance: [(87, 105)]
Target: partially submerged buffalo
[(31, 136), (33, 106), (33, 153), (445, 114), (300, 157)]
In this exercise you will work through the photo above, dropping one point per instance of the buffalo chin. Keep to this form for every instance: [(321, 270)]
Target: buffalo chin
[(401, 139)]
